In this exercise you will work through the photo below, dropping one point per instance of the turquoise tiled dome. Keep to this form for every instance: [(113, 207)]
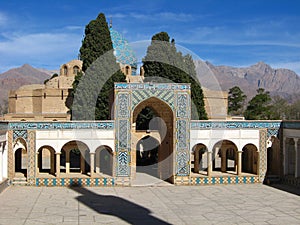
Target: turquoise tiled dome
[(122, 50)]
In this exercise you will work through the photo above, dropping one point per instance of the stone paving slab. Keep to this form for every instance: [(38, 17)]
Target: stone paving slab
[(224, 204)]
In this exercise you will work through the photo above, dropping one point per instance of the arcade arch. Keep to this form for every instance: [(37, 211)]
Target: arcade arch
[(273, 156), (250, 159), (225, 157), (200, 160), (290, 154), (104, 160), (162, 132), (46, 160), (20, 158), (72, 159)]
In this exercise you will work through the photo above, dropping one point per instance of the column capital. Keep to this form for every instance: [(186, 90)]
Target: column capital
[(57, 153), (296, 140), (284, 138)]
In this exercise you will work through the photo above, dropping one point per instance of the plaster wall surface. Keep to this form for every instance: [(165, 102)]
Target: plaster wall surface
[(92, 138), (291, 133), (238, 136)]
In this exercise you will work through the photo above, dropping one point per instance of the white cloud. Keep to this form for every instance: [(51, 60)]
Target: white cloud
[(40, 43), (182, 17), (165, 16), (230, 37), (39, 49), (72, 28)]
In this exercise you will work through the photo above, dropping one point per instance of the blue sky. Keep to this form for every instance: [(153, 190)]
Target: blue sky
[(47, 34)]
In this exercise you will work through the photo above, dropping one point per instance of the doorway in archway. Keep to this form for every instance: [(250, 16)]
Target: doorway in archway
[(152, 123), (20, 159), (147, 156), (21, 162)]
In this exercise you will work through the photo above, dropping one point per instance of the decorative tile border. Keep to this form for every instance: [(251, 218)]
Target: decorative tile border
[(224, 180), (197, 124), (122, 134), (109, 182), (31, 157), (152, 86), (291, 124), (66, 182), (263, 135), (103, 125)]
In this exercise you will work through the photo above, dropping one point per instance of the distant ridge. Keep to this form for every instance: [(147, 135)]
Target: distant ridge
[(283, 82), (17, 77)]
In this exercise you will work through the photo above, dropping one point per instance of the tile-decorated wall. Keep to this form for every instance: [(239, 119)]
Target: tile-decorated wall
[(129, 95), (262, 154)]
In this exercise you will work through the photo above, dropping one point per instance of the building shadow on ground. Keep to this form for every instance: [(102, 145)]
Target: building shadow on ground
[(118, 207), (286, 188)]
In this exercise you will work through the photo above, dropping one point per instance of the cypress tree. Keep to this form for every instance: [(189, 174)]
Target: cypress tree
[(93, 87), (173, 66)]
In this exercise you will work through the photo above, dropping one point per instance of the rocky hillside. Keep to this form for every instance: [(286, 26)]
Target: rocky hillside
[(283, 82), (15, 78)]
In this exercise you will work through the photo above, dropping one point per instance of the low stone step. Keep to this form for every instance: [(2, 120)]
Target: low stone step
[(22, 181)]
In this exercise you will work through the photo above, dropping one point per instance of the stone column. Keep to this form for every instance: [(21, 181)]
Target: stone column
[(52, 160), (67, 161), (1, 162), (97, 156), (209, 163), (10, 156), (196, 161), (82, 163), (258, 163), (297, 163), (37, 163), (57, 164), (223, 160), (285, 157), (239, 166), (92, 162)]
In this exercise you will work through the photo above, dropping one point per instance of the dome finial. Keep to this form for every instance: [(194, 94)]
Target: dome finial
[(110, 22)]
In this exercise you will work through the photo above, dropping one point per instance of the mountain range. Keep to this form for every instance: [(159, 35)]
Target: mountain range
[(283, 82), (17, 77)]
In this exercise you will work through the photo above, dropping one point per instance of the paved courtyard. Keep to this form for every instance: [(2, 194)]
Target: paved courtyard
[(226, 204)]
